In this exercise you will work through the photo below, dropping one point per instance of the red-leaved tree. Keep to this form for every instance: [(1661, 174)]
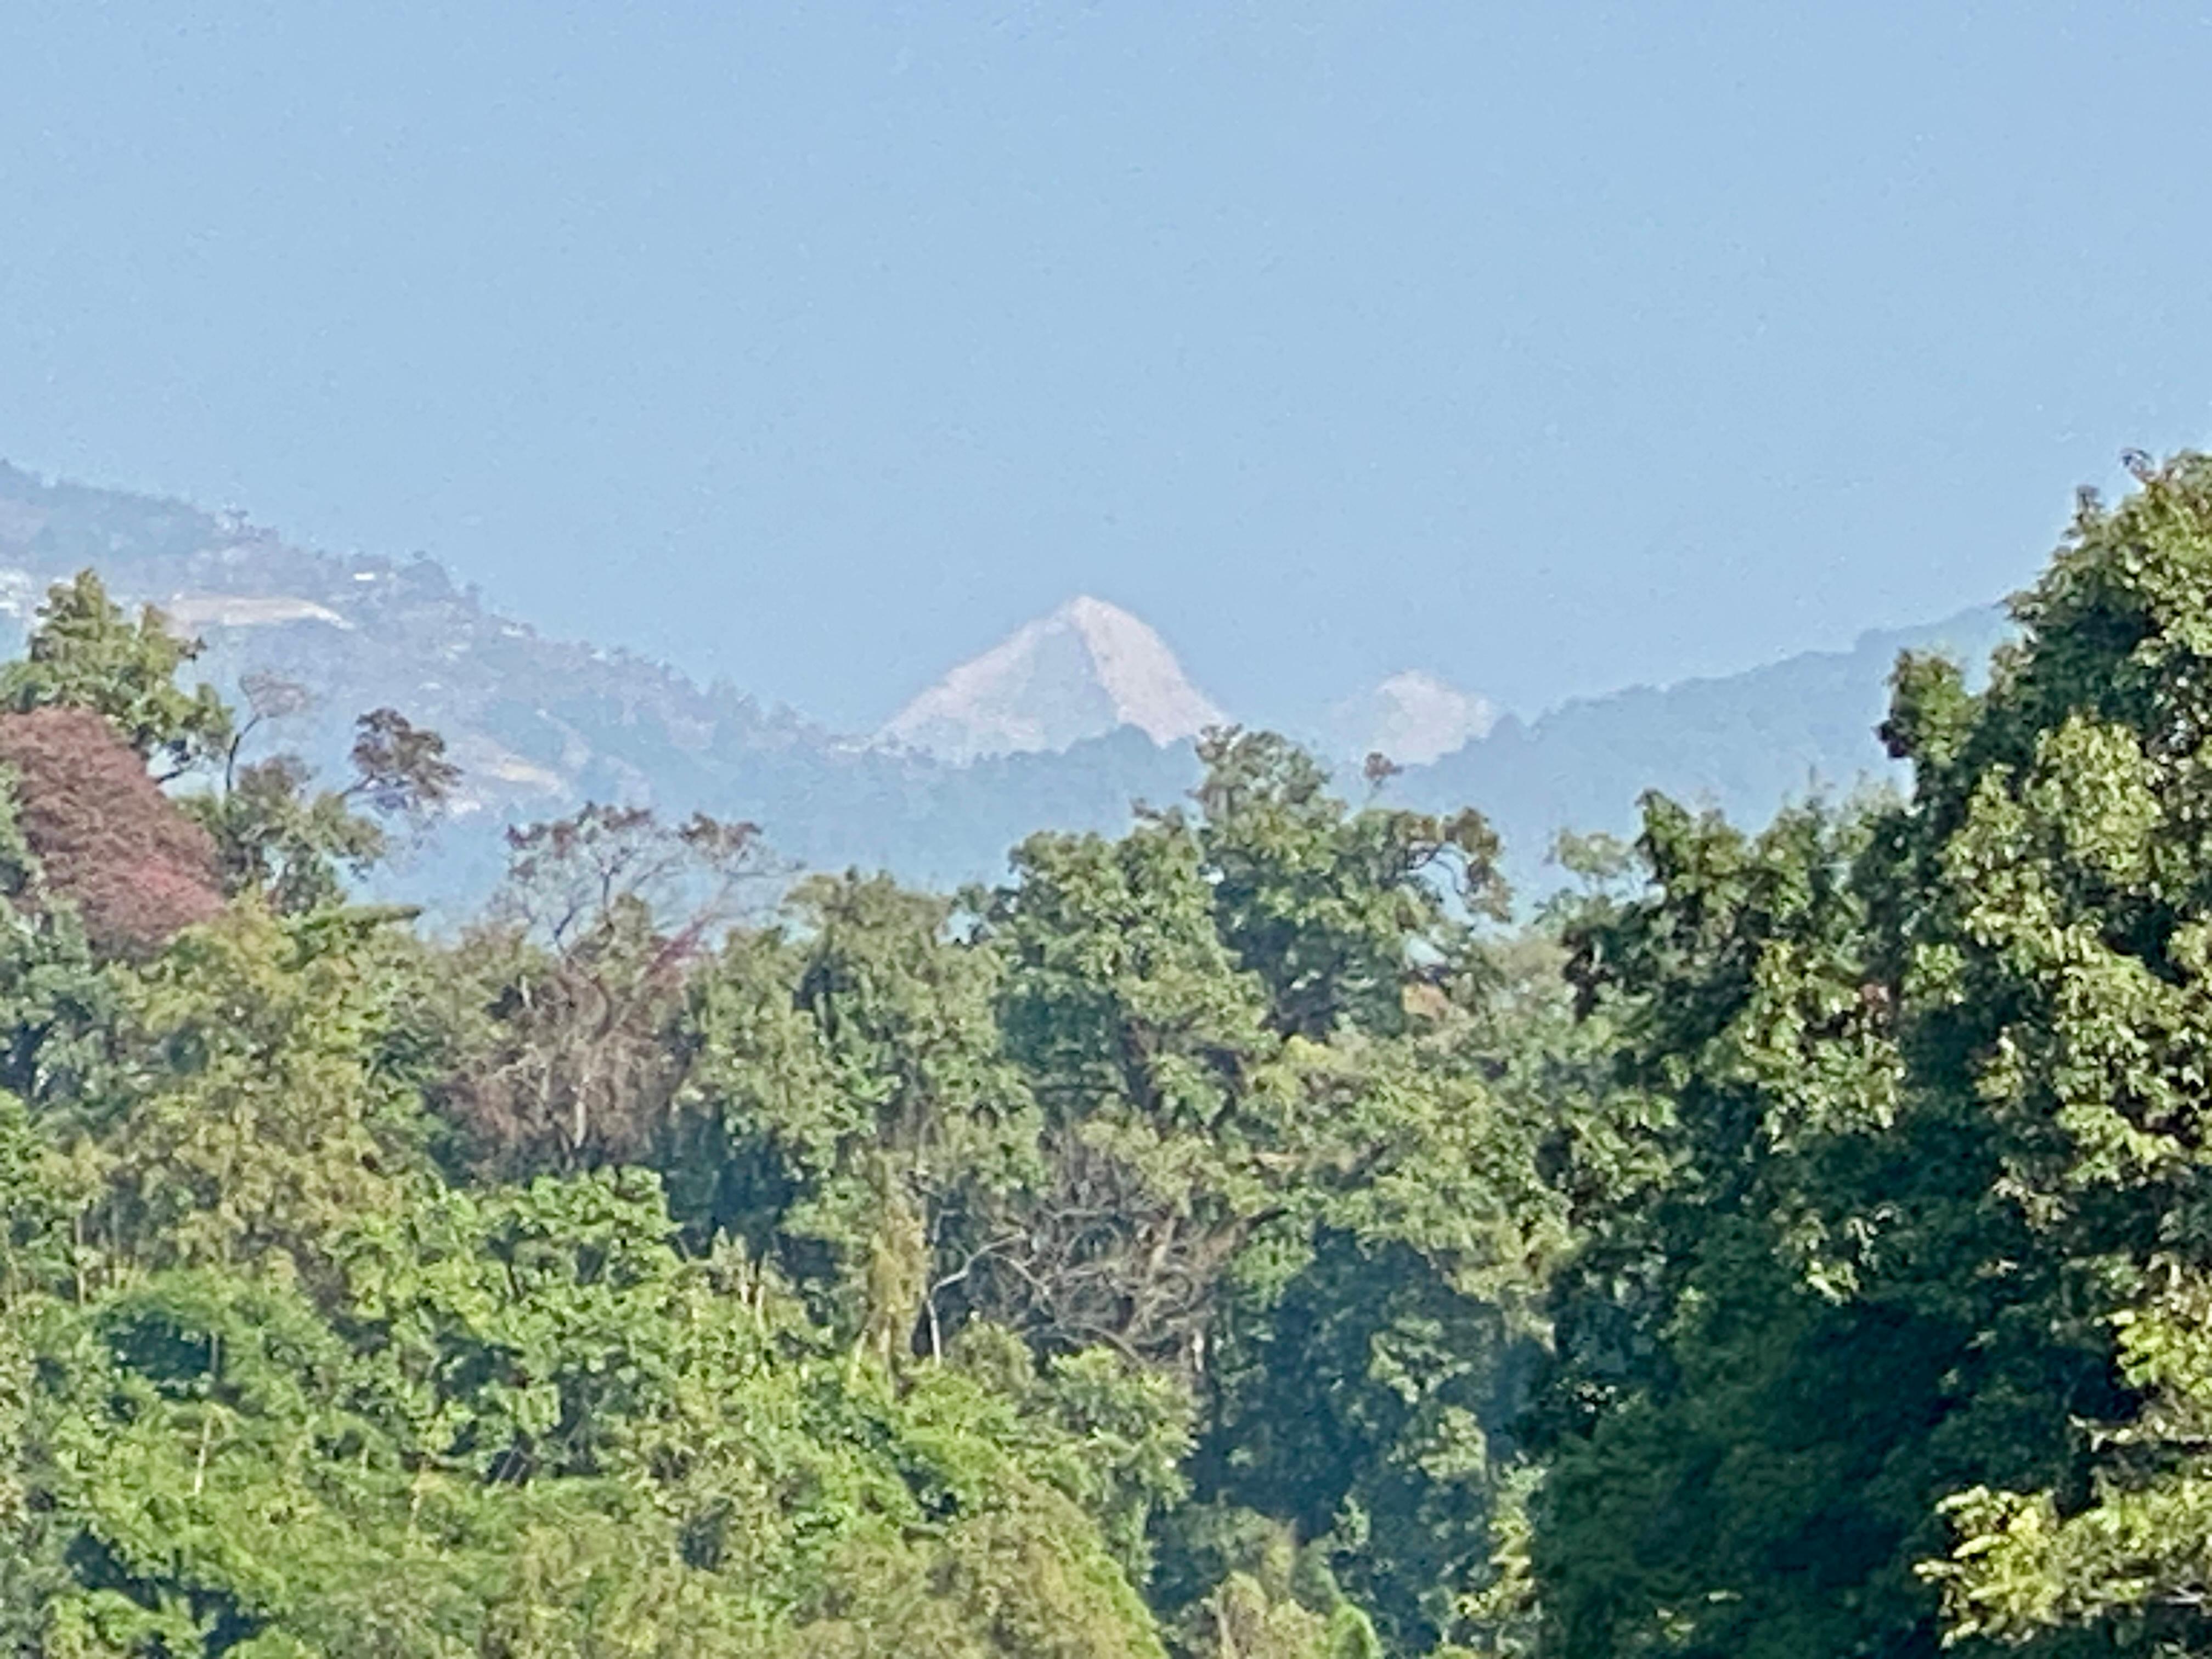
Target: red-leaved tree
[(106, 837)]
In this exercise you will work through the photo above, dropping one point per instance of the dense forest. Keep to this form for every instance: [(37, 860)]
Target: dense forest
[(1250, 1237)]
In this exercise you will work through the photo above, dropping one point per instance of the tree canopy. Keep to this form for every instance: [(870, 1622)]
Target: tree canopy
[(1241, 1237)]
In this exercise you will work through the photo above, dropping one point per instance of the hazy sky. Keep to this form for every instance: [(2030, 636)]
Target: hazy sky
[(1551, 346)]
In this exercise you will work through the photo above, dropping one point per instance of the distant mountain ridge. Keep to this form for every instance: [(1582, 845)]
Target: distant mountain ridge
[(1056, 728), (1743, 743), (541, 726)]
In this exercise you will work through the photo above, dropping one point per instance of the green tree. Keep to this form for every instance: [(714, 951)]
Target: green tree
[(1913, 1306), (292, 845), (253, 1117), (86, 653), (57, 1000), (519, 1422), (564, 1018), (1147, 1049), (1334, 909), (2060, 947), (1262, 1037), (851, 1100), (1744, 1462)]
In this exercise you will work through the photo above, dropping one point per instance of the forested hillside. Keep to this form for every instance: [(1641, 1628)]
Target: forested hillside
[(1230, 1238)]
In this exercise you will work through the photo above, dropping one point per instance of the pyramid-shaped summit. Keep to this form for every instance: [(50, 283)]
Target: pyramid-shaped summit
[(1087, 669)]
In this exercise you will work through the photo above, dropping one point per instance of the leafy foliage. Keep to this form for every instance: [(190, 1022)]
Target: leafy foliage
[(293, 845), (1232, 1240), (86, 653), (101, 836)]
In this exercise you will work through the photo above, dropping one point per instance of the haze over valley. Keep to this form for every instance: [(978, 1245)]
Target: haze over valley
[(1063, 724)]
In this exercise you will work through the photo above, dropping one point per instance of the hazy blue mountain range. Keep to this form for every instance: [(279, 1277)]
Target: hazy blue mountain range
[(1024, 738), (1744, 742)]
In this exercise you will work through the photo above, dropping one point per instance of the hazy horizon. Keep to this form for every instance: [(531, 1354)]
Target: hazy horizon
[(1310, 729), (1550, 352)]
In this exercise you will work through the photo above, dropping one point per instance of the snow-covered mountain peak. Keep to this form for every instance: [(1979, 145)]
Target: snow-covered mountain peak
[(1086, 669), (1411, 717)]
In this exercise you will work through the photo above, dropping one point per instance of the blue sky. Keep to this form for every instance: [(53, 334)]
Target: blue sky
[(1550, 347)]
